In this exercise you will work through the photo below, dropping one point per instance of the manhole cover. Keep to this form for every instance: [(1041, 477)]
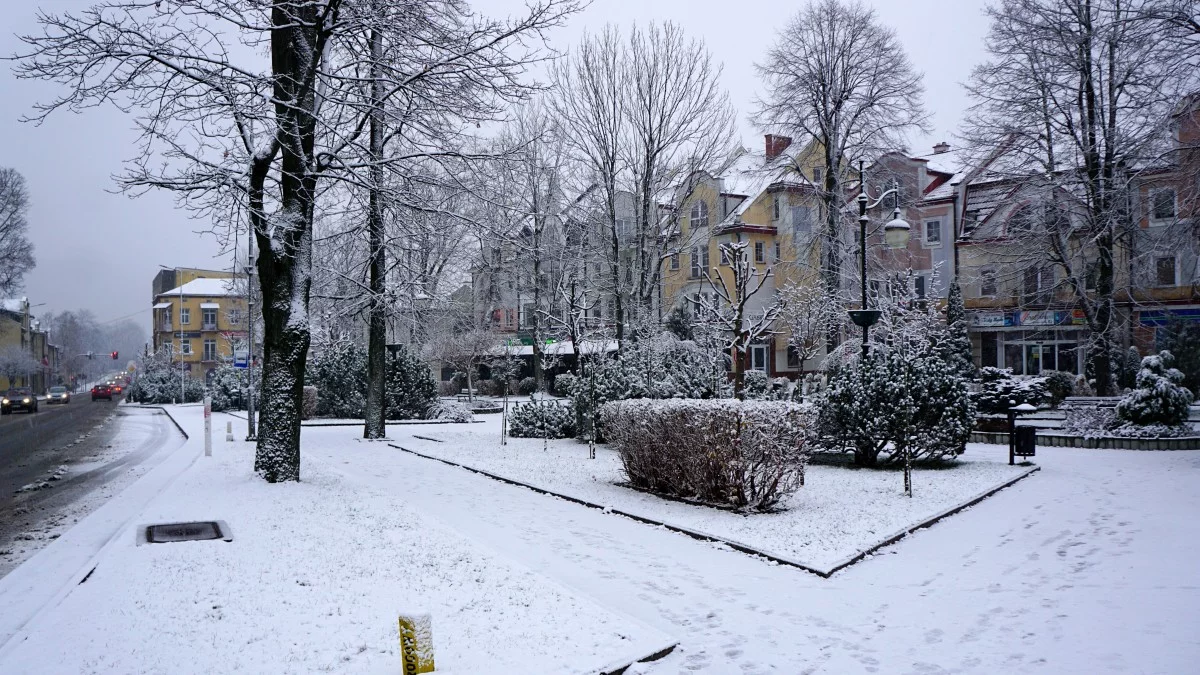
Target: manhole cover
[(199, 531)]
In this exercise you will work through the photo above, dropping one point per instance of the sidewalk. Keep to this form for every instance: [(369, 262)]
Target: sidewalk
[(312, 581)]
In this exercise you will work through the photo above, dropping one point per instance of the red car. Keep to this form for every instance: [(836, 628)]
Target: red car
[(102, 391)]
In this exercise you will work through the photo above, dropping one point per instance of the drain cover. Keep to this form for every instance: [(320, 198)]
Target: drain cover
[(199, 531)]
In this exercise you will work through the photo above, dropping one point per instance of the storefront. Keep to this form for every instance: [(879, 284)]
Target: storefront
[(1029, 343)]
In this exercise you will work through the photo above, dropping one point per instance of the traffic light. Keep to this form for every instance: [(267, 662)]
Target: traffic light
[(114, 356)]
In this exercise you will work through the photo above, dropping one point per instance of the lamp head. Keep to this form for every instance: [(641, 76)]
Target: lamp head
[(896, 231)]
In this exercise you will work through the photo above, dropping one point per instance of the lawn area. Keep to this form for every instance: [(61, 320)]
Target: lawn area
[(840, 511)]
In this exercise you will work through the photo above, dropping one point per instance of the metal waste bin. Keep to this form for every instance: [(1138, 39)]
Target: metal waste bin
[(1026, 441)]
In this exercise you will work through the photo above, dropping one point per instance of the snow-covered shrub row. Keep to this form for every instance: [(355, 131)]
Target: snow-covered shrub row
[(544, 418), (449, 388), (999, 390), (1160, 397), (1089, 421), (564, 385), (527, 386), (745, 454), (450, 411), (159, 381)]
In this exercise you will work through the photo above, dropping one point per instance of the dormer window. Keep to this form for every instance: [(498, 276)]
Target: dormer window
[(699, 215)]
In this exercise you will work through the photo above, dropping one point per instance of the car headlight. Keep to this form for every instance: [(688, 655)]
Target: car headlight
[(4, 401), (25, 400)]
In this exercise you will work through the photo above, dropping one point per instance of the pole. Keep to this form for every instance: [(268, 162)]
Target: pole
[(862, 248), (207, 425), (182, 374), (251, 434)]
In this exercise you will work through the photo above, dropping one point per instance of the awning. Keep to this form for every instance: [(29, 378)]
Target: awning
[(210, 305), (162, 305)]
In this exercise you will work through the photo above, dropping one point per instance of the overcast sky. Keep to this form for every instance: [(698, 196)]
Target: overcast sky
[(99, 250)]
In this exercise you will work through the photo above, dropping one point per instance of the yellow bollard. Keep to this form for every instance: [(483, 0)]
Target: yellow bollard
[(416, 643)]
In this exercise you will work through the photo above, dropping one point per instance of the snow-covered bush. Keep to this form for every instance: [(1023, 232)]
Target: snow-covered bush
[(227, 388), (1082, 387), (999, 390), (904, 396), (1182, 339), (564, 385), (411, 389), (159, 381), (527, 386), (1059, 385), (487, 388), (545, 418), (1089, 421), (308, 405), (757, 386), (339, 371), (745, 454), (450, 411), (448, 388), (1160, 397)]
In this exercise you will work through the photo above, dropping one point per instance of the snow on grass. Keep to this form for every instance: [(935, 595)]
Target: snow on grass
[(312, 582), (840, 511)]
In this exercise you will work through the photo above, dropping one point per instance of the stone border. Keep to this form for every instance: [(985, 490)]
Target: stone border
[(623, 664), (1103, 442), (358, 423), (736, 545)]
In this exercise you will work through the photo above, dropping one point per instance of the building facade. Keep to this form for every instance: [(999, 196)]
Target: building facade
[(202, 321)]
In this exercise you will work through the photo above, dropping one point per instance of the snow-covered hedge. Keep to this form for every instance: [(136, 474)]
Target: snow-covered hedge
[(451, 411), (308, 406), (999, 390), (544, 418), (411, 389), (527, 386), (745, 454), (1160, 397), (564, 385)]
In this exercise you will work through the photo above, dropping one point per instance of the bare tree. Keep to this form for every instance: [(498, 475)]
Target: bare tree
[(1083, 91), (836, 76), (730, 310), (811, 315), (16, 253)]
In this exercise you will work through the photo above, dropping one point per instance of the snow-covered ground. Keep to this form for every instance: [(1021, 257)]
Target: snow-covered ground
[(1086, 567), (312, 582), (838, 513)]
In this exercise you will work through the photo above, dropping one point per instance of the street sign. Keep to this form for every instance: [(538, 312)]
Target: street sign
[(241, 358)]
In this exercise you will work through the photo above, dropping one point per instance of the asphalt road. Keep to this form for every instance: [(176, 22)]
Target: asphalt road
[(34, 447)]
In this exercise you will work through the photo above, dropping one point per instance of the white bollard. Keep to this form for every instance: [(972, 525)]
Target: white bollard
[(207, 425), (229, 432)]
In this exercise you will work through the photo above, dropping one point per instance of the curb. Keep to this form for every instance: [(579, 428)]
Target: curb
[(736, 545), (175, 422), (359, 423), (620, 666)]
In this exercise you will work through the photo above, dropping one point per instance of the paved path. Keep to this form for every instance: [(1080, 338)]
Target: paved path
[(1088, 567)]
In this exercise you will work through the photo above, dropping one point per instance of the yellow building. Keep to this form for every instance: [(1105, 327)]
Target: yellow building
[(769, 200), (202, 319)]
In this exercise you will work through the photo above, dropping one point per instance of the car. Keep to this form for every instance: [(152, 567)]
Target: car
[(102, 391), (20, 398), (58, 395), (116, 388)]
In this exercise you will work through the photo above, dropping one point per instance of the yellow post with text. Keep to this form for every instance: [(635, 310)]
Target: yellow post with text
[(416, 643)]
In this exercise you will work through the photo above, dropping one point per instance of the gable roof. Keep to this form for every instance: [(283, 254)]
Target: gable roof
[(205, 287)]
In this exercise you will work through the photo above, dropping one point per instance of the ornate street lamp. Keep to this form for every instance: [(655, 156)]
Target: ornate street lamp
[(895, 235)]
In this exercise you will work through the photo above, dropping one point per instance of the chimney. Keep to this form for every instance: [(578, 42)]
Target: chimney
[(941, 148), (776, 145)]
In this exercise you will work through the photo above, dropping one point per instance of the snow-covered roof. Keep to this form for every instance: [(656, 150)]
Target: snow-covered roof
[(559, 348), (205, 287), (749, 174), (948, 162), (13, 304)]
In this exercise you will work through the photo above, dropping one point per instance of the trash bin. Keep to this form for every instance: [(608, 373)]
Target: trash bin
[(1026, 441)]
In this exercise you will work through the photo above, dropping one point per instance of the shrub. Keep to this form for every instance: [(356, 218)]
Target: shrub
[(227, 388), (757, 386), (527, 386), (999, 390), (158, 381), (308, 407), (542, 419), (745, 454), (411, 389), (565, 384), (451, 411), (1059, 385), (486, 388), (1083, 387), (1182, 339), (339, 372), (1089, 421), (1160, 397), (449, 388)]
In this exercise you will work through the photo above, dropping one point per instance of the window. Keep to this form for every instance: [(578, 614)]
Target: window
[(760, 252), (166, 318), (987, 283), (1031, 280), (1022, 221), (775, 206), (759, 357), (933, 233), (919, 286), (185, 347), (801, 221), (724, 255), (1162, 205), (674, 261), (210, 350), (818, 174), (1164, 271), (624, 229), (185, 316), (699, 214), (695, 271), (778, 256), (209, 318), (970, 219)]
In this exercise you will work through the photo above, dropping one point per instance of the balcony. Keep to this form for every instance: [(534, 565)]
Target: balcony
[(208, 326), (165, 326)]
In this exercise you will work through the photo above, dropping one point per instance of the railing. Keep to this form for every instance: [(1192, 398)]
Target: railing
[(208, 326)]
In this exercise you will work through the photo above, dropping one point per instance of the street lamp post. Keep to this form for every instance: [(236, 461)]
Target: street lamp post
[(895, 235)]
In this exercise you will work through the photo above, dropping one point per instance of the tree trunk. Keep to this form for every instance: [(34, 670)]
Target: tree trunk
[(376, 406), (285, 243)]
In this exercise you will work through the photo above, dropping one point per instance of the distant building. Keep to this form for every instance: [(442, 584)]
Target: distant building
[(23, 344), (202, 322)]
